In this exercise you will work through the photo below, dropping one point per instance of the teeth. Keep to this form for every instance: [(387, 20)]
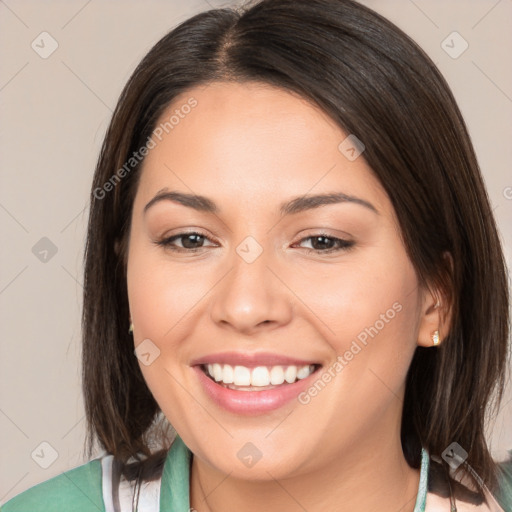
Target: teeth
[(242, 376), (217, 372), (276, 375), (290, 375), (228, 374), (303, 372), (259, 376)]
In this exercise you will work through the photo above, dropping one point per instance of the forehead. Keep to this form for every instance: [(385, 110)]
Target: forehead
[(250, 139)]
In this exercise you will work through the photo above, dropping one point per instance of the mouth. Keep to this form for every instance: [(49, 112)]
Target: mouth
[(258, 378), (254, 390), (253, 383)]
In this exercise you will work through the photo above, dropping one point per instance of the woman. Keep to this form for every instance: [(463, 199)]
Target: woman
[(292, 260)]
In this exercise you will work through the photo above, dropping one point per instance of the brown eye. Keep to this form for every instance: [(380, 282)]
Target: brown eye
[(323, 243), (192, 241)]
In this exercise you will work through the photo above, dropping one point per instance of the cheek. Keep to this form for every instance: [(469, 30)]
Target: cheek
[(160, 294), (384, 333), (367, 312), (361, 298)]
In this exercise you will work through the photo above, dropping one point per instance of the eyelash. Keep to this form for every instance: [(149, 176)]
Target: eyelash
[(343, 245)]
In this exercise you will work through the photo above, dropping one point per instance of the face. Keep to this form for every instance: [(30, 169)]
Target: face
[(263, 283)]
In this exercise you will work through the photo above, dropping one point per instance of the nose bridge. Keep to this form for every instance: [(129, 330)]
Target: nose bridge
[(250, 295)]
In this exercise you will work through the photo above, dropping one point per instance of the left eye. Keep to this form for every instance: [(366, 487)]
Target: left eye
[(322, 243)]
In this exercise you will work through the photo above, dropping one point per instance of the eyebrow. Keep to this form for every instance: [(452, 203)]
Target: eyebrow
[(290, 207)]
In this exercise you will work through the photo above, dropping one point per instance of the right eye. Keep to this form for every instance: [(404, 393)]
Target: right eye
[(190, 242)]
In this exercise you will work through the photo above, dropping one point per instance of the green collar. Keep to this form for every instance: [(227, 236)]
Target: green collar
[(175, 490)]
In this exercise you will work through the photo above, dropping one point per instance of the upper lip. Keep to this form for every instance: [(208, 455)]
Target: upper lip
[(250, 360)]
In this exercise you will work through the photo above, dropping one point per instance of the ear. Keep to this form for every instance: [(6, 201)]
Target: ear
[(436, 312)]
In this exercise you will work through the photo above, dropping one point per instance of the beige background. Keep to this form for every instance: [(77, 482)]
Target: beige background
[(54, 113)]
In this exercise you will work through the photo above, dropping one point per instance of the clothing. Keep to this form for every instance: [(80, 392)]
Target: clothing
[(91, 487)]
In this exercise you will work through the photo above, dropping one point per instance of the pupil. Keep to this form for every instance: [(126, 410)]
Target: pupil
[(187, 239), (322, 244)]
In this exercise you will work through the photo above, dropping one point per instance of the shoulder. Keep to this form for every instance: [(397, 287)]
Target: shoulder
[(79, 489), (438, 497), (504, 494)]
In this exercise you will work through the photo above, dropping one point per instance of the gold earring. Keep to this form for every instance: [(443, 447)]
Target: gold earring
[(435, 338), (130, 330)]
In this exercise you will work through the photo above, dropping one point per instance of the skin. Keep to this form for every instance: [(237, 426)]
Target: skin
[(248, 147)]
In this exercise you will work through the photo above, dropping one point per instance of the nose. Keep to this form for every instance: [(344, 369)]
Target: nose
[(251, 297)]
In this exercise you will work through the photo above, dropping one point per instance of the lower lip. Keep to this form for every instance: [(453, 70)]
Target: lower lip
[(251, 402)]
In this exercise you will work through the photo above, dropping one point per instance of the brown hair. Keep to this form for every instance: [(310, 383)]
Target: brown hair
[(376, 83)]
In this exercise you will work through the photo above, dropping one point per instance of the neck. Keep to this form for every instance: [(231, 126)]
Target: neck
[(371, 476)]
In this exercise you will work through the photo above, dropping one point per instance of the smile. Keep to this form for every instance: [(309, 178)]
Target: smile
[(253, 390), (243, 378)]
